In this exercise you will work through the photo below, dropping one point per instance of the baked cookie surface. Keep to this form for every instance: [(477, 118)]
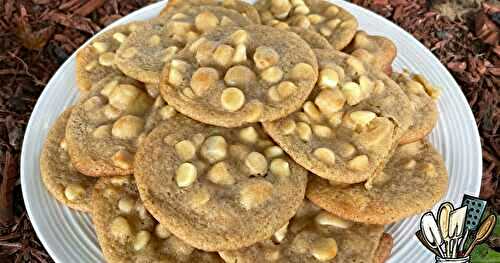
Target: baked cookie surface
[(413, 180), (128, 233), (105, 127), (315, 40), (233, 76), (241, 7), (96, 60), (350, 123), (423, 96), (333, 22), (378, 51), (61, 179), (313, 235), (217, 188)]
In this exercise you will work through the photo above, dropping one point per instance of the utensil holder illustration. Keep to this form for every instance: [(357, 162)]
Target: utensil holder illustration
[(452, 260)]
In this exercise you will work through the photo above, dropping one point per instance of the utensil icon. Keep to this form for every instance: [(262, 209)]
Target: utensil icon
[(484, 231), (444, 223), (456, 227), (431, 232), (475, 211), (422, 239)]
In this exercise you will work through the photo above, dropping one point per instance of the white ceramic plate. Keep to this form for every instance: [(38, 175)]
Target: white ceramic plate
[(69, 236)]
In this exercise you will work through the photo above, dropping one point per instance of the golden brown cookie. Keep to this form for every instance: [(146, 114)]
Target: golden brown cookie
[(413, 180), (96, 60), (61, 179), (315, 40), (128, 233), (333, 22), (384, 249), (105, 128), (350, 123), (144, 53), (313, 235), (241, 7), (233, 76), (420, 93), (217, 188), (378, 51)]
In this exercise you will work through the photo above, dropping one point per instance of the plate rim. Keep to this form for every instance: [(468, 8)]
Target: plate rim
[(24, 177)]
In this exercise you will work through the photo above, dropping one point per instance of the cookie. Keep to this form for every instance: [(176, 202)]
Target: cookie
[(350, 123), (105, 128), (384, 249), (128, 233), (244, 8), (420, 93), (314, 235), (378, 51), (315, 40), (143, 54), (217, 188), (233, 76), (331, 21), (61, 179), (413, 180), (96, 60)]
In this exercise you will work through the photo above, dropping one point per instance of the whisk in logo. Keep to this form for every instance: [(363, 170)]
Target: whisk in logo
[(453, 233)]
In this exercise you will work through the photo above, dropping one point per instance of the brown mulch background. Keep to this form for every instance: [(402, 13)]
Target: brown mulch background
[(37, 36)]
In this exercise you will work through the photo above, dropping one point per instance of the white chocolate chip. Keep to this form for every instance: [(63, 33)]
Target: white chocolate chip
[(358, 163), (120, 37), (325, 155), (91, 65), (272, 75), (179, 16), (130, 99), (315, 19), (280, 234), (204, 79), (273, 151), (240, 54), (325, 218), (100, 47), (63, 144), (265, 57), (214, 149), (256, 163), (223, 55), (219, 174), (128, 127), (232, 99), (331, 11), (185, 150), (239, 37), (199, 198), (330, 101), (288, 126), (185, 175), (302, 71), (103, 131), (239, 76), (226, 21), (286, 89), (141, 240), (312, 111), (356, 65), (410, 164), (129, 52), (123, 159), (206, 21), (362, 118), (249, 135), (107, 59), (322, 131), (126, 205), (328, 78), (255, 193), (154, 40), (74, 192), (280, 167), (346, 150), (352, 93), (120, 228), (167, 112), (162, 232), (333, 23), (324, 249), (304, 131), (325, 31), (169, 53)]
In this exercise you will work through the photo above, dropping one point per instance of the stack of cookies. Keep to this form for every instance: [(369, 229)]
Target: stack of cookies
[(222, 131)]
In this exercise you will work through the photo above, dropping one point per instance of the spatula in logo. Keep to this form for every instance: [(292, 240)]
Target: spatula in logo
[(475, 211), (456, 228)]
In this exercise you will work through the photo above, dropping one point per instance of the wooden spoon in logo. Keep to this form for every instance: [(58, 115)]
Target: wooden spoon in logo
[(444, 224), (484, 231)]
